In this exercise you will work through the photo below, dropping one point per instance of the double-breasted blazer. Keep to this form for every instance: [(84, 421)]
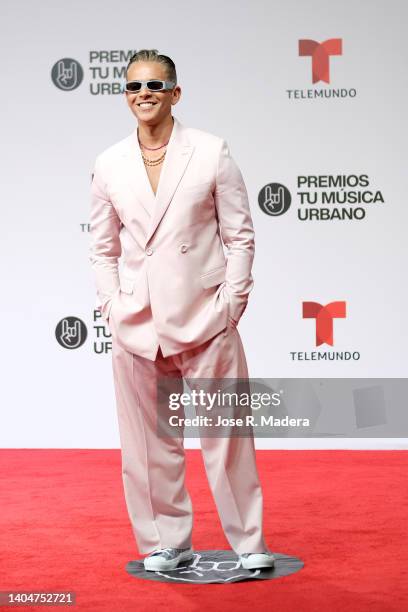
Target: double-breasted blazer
[(170, 268)]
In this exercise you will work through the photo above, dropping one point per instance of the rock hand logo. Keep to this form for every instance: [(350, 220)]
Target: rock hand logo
[(71, 332), (67, 74), (274, 199)]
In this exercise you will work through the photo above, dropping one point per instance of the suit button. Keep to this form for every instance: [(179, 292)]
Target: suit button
[(183, 248), (149, 251)]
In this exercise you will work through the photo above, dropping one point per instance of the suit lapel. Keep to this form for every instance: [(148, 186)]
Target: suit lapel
[(136, 175), (178, 155)]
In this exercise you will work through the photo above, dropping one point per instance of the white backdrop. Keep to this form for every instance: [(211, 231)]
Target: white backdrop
[(239, 67)]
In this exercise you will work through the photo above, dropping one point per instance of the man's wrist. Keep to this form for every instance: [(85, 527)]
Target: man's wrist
[(106, 306), (236, 305)]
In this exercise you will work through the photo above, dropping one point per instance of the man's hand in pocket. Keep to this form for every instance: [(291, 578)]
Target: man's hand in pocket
[(232, 323)]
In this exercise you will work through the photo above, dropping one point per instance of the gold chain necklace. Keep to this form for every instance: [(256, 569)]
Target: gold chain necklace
[(153, 162)]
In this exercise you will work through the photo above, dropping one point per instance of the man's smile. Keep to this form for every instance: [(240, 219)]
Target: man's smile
[(146, 104)]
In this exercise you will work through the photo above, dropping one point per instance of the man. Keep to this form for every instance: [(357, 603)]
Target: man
[(164, 199)]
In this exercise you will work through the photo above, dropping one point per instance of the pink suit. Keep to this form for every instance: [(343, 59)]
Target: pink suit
[(173, 309)]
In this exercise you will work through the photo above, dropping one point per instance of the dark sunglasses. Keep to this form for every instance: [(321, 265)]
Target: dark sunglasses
[(152, 85)]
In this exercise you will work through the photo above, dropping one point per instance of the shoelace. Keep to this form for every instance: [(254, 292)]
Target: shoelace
[(167, 551)]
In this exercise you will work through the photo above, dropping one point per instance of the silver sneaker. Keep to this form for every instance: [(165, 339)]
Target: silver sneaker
[(257, 560), (166, 558)]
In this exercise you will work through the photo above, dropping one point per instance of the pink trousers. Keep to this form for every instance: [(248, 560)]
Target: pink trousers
[(153, 467)]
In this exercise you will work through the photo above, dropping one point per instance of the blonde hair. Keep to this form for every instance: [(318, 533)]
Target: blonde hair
[(152, 55)]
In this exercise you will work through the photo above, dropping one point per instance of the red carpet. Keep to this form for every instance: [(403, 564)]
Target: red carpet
[(64, 526)]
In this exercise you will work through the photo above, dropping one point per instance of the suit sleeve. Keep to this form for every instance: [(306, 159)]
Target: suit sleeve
[(237, 232), (105, 247)]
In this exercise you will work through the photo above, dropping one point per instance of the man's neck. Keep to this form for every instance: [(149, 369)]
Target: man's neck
[(155, 135)]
